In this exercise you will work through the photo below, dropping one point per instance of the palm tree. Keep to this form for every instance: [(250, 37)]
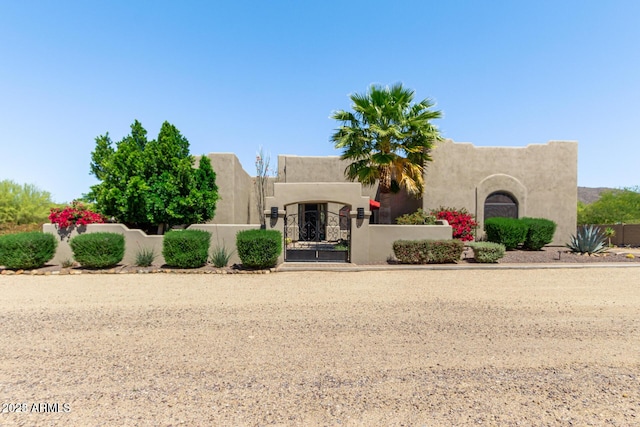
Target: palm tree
[(388, 140)]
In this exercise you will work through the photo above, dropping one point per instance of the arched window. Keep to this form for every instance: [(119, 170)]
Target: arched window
[(500, 204)]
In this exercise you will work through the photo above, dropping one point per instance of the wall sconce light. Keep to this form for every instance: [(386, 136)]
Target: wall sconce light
[(360, 214), (274, 212)]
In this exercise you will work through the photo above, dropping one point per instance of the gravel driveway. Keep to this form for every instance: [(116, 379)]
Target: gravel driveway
[(508, 347)]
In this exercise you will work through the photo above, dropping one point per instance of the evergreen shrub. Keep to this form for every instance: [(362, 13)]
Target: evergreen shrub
[(186, 248), (259, 248), (487, 252), (98, 250), (508, 231), (428, 251), (539, 233), (27, 250)]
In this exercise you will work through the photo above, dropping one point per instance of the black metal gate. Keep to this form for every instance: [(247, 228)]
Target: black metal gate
[(317, 235)]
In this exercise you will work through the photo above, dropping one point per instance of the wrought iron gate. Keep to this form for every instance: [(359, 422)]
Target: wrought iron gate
[(317, 236)]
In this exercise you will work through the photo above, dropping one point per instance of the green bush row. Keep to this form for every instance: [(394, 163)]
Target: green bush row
[(259, 248), (487, 252), (532, 233), (428, 251), (180, 248), (27, 250)]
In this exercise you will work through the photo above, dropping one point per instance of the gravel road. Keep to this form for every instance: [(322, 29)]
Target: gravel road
[(435, 348)]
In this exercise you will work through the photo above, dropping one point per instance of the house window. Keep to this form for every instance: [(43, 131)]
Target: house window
[(500, 204)]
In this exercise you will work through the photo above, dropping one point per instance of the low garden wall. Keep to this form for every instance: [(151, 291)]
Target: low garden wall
[(225, 234), (371, 244), (136, 240), (381, 237)]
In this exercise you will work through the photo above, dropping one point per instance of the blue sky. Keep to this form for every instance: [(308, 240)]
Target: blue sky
[(234, 76)]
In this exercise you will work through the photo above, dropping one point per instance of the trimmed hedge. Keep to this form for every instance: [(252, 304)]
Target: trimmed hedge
[(259, 248), (508, 231), (487, 252), (98, 250), (428, 251), (540, 232), (27, 250), (532, 233), (186, 248)]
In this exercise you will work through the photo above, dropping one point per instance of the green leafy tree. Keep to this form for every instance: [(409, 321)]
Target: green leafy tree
[(23, 203), (123, 172), (153, 183), (616, 206), (388, 139)]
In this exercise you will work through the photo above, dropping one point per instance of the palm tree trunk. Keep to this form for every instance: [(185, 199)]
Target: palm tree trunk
[(385, 208)]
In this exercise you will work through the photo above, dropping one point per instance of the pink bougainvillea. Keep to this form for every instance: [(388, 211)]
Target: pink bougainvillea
[(460, 220), (76, 214)]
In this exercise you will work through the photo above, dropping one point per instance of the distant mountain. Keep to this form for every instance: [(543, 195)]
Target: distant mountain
[(591, 194)]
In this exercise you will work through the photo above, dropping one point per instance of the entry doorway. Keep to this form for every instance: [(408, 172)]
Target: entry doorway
[(317, 232), (313, 221)]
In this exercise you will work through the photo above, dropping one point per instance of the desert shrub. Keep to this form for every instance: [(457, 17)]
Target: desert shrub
[(428, 251), (145, 257), (460, 220), (220, 256), (186, 248), (259, 248), (27, 250), (589, 240), (98, 250), (445, 251), (539, 233), (487, 252), (411, 251), (419, 217), (508, 231)]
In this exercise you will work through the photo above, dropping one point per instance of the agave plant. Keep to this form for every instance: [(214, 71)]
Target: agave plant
[(589, 240)]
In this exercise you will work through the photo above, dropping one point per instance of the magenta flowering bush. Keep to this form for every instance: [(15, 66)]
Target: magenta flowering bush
[(460, 220), (76, 214)]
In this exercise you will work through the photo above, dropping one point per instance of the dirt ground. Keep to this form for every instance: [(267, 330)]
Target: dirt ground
[(434, 348)]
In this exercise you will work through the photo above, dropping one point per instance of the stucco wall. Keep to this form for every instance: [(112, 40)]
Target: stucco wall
[(295, 169), (135, 240), (542, 177), (225, 235), (381, 237), (236, 188)]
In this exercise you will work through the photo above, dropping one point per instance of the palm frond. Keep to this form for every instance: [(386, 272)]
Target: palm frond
[(387, 138)]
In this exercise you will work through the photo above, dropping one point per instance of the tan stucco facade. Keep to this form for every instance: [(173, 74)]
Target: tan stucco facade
[(542, 178), (237, 203)]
